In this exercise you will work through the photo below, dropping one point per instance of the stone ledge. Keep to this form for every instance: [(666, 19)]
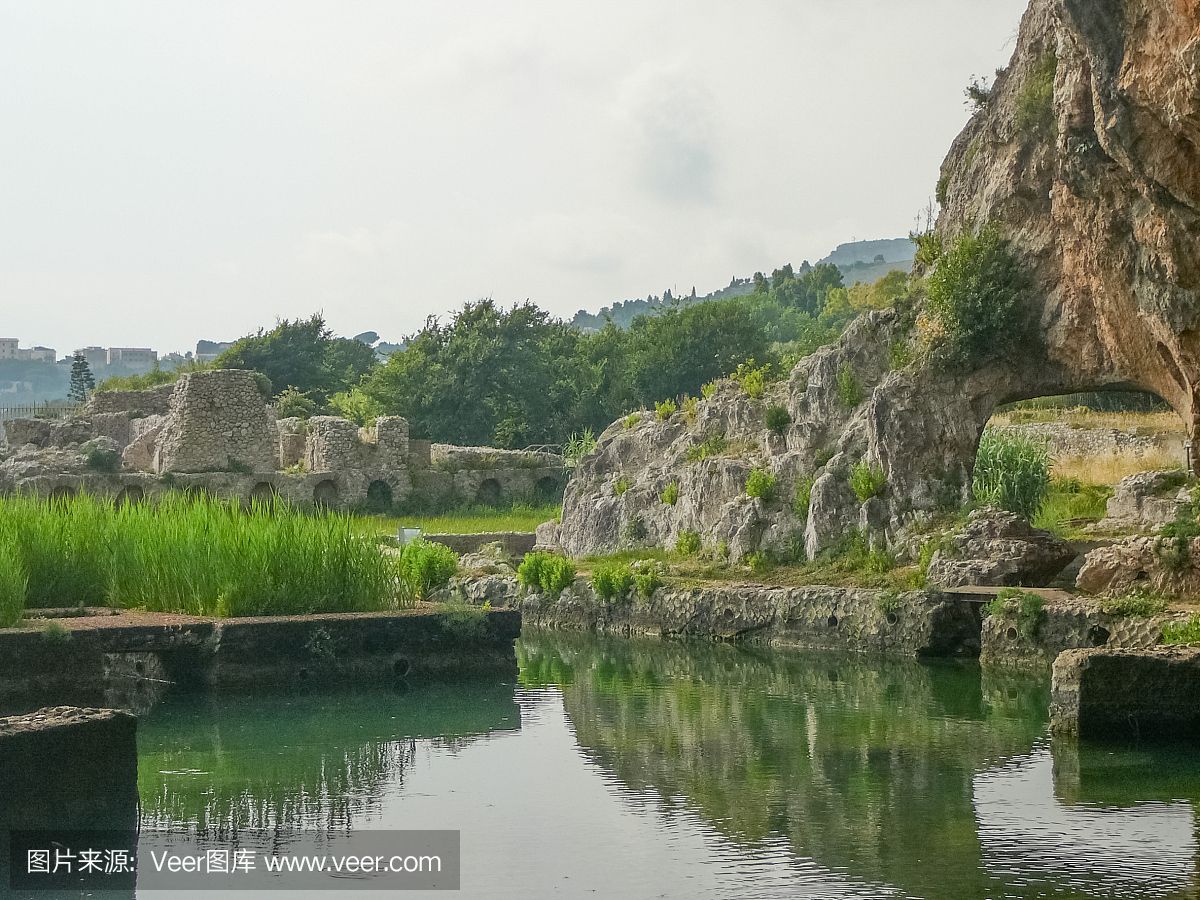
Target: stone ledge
[(1119, 694)]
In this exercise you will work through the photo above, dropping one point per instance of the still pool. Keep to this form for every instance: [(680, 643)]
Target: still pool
[(634, 769)]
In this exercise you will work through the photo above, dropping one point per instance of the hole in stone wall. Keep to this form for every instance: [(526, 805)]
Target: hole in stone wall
[(63, 492), (1098, 635), (131, 495), (1011, 634), (832, 621), (548, 489), (401, 667), (379, 497), (326, 493), (265, 493), (489, 492), (893, 619)]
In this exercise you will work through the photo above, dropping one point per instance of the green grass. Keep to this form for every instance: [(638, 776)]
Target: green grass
[(1012, 472), (200, 557), (546, 572), (867, 481), (1182, 632), (466, 520), (13, 587), (612, 581), (1140, 603), (1069, 505), (1028, 610)]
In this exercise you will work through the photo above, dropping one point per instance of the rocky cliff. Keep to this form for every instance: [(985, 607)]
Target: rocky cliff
[(1086, 158)]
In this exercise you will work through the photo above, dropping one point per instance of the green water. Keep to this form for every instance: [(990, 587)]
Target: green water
[(646, 769)]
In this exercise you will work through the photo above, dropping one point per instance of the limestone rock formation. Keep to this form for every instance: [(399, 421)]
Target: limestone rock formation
[(1097, 190), (1163, 565), (1146, 499), (999, 548)]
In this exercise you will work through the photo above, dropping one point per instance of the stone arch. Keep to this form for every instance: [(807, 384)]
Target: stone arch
[(130, 495), (63, 492), (326, 493), (380, 496), (264, 493), (196, 493), (490, 493), (548, 488)]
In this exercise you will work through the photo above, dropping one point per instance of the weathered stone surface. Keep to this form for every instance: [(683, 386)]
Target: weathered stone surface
[(1120, 694), (916, 623), (1146, 499), (999, 548), (1152, 562), (1067, 624), (142, 451), (136, 404), (218, 422), (1068, 439), (1104, 215)]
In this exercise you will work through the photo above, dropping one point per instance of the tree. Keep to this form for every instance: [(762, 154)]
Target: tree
[(303, 355), (82, 381)]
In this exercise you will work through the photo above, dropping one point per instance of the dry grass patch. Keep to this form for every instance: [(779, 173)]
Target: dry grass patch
[(1109, 468)]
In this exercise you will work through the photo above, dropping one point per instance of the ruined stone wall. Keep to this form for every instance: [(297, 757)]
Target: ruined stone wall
[(218, 421), (138, 404)]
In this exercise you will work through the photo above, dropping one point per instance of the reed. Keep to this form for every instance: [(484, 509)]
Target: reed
[(196, 556)]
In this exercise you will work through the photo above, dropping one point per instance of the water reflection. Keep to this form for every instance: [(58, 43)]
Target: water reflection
[(220, 764), (925, 781)]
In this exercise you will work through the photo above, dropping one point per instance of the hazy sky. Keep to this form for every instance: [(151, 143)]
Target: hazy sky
[(172, 170)]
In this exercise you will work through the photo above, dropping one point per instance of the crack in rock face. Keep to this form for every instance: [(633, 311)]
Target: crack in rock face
[(1085, 159)]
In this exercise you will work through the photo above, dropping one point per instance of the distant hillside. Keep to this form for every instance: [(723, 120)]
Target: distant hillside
[(858, 261)]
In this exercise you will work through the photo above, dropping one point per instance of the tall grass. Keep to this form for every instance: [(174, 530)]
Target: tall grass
[(13, 587), (200, 557), (1012, 472)]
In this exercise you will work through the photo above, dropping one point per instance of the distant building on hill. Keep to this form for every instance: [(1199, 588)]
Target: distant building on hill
[(10, 350), (132, 357), (207, 351)]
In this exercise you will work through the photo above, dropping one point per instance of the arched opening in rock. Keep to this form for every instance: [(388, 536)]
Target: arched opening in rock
[(379, 497), (548, 489), (326, 493), (63, 492), (130, 495), (1089, 441), (196, 493), (489, 493)]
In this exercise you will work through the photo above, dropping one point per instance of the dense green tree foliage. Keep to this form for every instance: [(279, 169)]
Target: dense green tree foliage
[(304, 355)]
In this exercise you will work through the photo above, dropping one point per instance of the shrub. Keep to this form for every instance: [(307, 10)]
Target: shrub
[(1174, 545), (14, 582), (759, 562), (761, 484), (670, 494), (426, 566), (900, 354), (612, 581), (778, 418), (1139, 603), (867, 481), (579, 445), (691, 408), (849, 389), (929, 248), (55, 633), (665, 409), (802, 499), (634, 531), (1012, 472), (101, 459), (979, 92), (291, 403), (709, 389), (688, 543), (752, 378), (713, 445), (1029, 610), (546, 572), (1186, 632), (647, 583), (1035, 102), (976, 297), (631, 420), (621, 485), (465, 623)]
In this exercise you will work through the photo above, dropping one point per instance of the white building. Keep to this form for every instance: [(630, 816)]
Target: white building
[(96, 357), (8, 348), (131, 356)]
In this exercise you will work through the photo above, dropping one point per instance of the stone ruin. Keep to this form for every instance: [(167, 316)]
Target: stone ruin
[(1102, 208), (214, 433)]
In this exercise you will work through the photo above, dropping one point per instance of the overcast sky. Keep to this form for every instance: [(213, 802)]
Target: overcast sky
[(171, 170)]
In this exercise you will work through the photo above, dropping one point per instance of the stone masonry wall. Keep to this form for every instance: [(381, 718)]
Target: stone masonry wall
[(218, 422)]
